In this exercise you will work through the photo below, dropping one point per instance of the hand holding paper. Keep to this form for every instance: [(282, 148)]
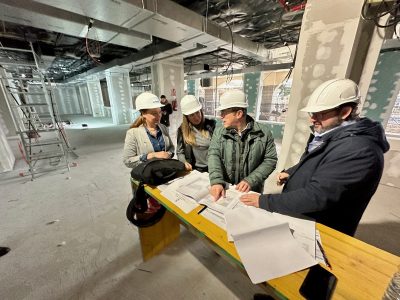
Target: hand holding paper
[(251, 199)]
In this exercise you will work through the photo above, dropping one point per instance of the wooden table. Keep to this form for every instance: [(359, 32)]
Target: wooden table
[(363, 271)]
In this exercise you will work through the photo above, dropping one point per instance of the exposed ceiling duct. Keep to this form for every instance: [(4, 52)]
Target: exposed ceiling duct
[(270, 23), (88, 36)]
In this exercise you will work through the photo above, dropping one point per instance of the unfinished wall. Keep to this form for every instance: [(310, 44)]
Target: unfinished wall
[(96, 98), (7, 158), (168, 79), (6, 121), (328, 45), (67, 100), (119, 92), (384, 88)]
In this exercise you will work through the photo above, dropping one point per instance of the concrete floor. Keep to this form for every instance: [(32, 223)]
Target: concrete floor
[(70, 238)]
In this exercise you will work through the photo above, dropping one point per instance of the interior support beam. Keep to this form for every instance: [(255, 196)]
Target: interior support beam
[(331, 45)]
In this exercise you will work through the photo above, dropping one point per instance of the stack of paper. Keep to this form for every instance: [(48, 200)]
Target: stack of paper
[(186, 191), (270, 245), (265, 244)]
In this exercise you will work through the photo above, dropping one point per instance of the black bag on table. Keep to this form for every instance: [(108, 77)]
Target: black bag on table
[(154, 172)]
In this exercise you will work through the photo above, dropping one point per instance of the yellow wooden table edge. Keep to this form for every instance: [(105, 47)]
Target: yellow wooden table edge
[(367, 257)]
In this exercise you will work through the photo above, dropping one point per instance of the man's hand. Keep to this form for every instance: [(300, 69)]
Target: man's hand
[(251, 199), (188, 167), (243, 186), (281, 178), (217, 191)]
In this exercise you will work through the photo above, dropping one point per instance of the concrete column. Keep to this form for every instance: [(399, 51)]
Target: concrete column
[(71, 99), (7, 158), (63, 108), (96, 98), (67, 100), (6, 113), (334, 42), (384, 88), (120, 95), (6, 121), (85, 101), (251, 88), (168, 80)]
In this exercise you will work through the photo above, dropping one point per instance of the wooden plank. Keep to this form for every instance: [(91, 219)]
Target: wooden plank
[(363, 271)]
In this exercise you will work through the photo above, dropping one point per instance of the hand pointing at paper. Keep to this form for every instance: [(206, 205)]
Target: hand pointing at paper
[(217, 191), (251, 199)]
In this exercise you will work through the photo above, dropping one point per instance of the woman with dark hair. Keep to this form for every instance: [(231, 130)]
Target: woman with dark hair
[(194, 135), (147, 138)]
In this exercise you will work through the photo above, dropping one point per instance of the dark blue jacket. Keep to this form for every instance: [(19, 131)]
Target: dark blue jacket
[(334, 183)]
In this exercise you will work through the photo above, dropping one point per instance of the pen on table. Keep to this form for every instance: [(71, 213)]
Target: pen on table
[(202, 209), (324, 255)]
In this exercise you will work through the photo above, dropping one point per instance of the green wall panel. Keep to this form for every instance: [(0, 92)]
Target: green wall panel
[(380, 92), (277, 130), (191, 87), (251, 84)]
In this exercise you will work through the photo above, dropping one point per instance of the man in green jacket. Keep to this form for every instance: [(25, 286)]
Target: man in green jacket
[(242, 151)]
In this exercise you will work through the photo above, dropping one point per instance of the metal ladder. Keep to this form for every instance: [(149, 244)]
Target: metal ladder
[(34, 113)]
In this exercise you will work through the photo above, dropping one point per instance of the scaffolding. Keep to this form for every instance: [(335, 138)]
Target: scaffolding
[(43, 142)]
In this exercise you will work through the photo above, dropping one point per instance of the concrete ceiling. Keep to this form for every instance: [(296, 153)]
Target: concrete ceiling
[(83, 37)]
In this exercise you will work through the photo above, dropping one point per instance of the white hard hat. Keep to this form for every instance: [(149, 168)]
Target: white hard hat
[(147, 100), (190, 104), (233, 98), (331, 94)]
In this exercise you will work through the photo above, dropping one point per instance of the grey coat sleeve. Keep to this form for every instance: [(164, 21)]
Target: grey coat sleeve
[(131, 155)]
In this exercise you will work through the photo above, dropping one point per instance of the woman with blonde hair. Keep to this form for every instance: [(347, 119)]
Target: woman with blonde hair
[(194, 135), (147, 138)]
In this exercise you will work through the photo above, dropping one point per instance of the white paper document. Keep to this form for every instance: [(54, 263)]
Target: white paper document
[(318, 253), (223, 204), (215, 211), (196, 188), (265, 245), (215, 217), (165, 186), (303, 231), (182, 191)]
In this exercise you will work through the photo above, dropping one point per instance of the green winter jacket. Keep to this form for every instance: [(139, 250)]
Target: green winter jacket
[(232, 158)]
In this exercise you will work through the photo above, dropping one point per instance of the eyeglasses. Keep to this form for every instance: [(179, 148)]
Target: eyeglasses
[(321, 114)]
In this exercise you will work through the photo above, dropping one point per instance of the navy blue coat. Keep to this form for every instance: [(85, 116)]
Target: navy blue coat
[(334, 183)]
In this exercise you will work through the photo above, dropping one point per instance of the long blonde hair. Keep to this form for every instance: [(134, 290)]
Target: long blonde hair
[(188, 132), (140, 120)]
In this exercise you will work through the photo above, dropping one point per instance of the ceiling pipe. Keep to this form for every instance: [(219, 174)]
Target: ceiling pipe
[(259, 68)]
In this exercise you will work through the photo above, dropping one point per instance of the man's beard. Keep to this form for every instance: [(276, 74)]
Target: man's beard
[(321, 129)]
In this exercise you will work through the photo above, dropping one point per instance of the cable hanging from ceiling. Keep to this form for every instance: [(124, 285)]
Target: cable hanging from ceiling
[(375, 12), (93, 47)]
